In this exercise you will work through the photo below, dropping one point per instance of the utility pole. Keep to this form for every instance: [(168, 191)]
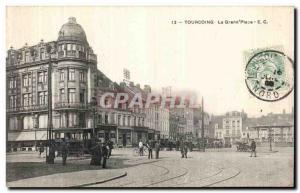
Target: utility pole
[(51, 156), (270, 138), (202, 126)]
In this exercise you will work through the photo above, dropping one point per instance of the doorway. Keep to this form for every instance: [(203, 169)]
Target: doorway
[(124, 140)]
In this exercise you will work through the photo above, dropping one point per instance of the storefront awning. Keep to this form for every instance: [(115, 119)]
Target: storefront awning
[(27, 136), (124, 128), (140, 129), (106, 126), (66, 130)]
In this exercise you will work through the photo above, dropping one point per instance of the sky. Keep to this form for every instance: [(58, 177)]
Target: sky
[(203, 58)]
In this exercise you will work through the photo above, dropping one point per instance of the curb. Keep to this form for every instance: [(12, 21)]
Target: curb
[(100, 182)]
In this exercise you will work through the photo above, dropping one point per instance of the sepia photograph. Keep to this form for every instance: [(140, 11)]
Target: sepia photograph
[(150, 97)]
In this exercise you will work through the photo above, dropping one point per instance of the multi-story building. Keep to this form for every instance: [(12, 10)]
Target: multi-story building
[(228, 127), (279, 128), (75, 83), (216, 125), (232, 126)]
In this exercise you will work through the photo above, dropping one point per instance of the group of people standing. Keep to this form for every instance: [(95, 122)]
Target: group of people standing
[(155, 145), (100, 152), (150, 145)]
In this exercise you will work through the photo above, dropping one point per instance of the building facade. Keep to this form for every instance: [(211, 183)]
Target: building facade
[(277, 128), (68, 68)]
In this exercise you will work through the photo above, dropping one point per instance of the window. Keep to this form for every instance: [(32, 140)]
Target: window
[(43, 121), (143, 121), (72, 74), (13, 123), (72, 119), (82, 120), (119, 120), (13, 82), (128, 121), (42, 77), (62, 75), (82, 96), (69, 46), (63, 122), (26, 56), (43, 98), (27, 80), (106, 118), (29, 99), (123, 121), (100, 118), (25, 100), (28, 122), (71, 95), (13, 101), (81, 76), (62, 95), (42, 54)]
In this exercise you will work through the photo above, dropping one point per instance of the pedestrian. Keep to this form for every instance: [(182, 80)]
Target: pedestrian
[(150, 148), (96, 152), (182, 149), (41, 149), (185, 149), (111, 146), (157, 148), (64, 151), (105, 150), (253, 148), (141, 150)]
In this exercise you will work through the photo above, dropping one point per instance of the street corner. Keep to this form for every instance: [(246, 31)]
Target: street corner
[(78, 179)]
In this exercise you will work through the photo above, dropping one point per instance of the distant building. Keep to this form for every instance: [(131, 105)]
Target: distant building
[(277, 127), (216, 124), (232, 125)]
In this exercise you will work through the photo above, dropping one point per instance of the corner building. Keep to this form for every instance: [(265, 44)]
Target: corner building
[(75, 81)]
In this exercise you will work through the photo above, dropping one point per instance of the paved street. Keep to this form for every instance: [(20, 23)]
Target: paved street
[(214, 168)]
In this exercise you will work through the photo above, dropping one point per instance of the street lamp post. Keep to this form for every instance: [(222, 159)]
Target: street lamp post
[(51, 156), (93, 104), (202, 127), (270, 138)]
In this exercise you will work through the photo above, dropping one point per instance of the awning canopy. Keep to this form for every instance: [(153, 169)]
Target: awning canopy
[(27, 136), (106, 126), (66, 130), (140, 129), (124, 128)]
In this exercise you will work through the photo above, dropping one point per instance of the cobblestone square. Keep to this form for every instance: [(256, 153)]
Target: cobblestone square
[(213, 168)]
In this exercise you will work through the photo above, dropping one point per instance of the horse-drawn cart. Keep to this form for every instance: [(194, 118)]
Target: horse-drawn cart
[(244, 147)]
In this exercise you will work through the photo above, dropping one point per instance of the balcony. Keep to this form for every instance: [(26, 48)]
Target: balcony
[(26, 109), (72, 54), (67, 105)]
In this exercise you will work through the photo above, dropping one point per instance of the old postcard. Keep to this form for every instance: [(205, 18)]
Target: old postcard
[(153, 97)]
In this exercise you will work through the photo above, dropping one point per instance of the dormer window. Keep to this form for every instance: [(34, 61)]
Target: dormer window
[(42, 54), (27, 56)]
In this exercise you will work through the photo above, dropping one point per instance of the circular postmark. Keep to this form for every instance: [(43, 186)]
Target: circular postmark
[(270, 75)]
